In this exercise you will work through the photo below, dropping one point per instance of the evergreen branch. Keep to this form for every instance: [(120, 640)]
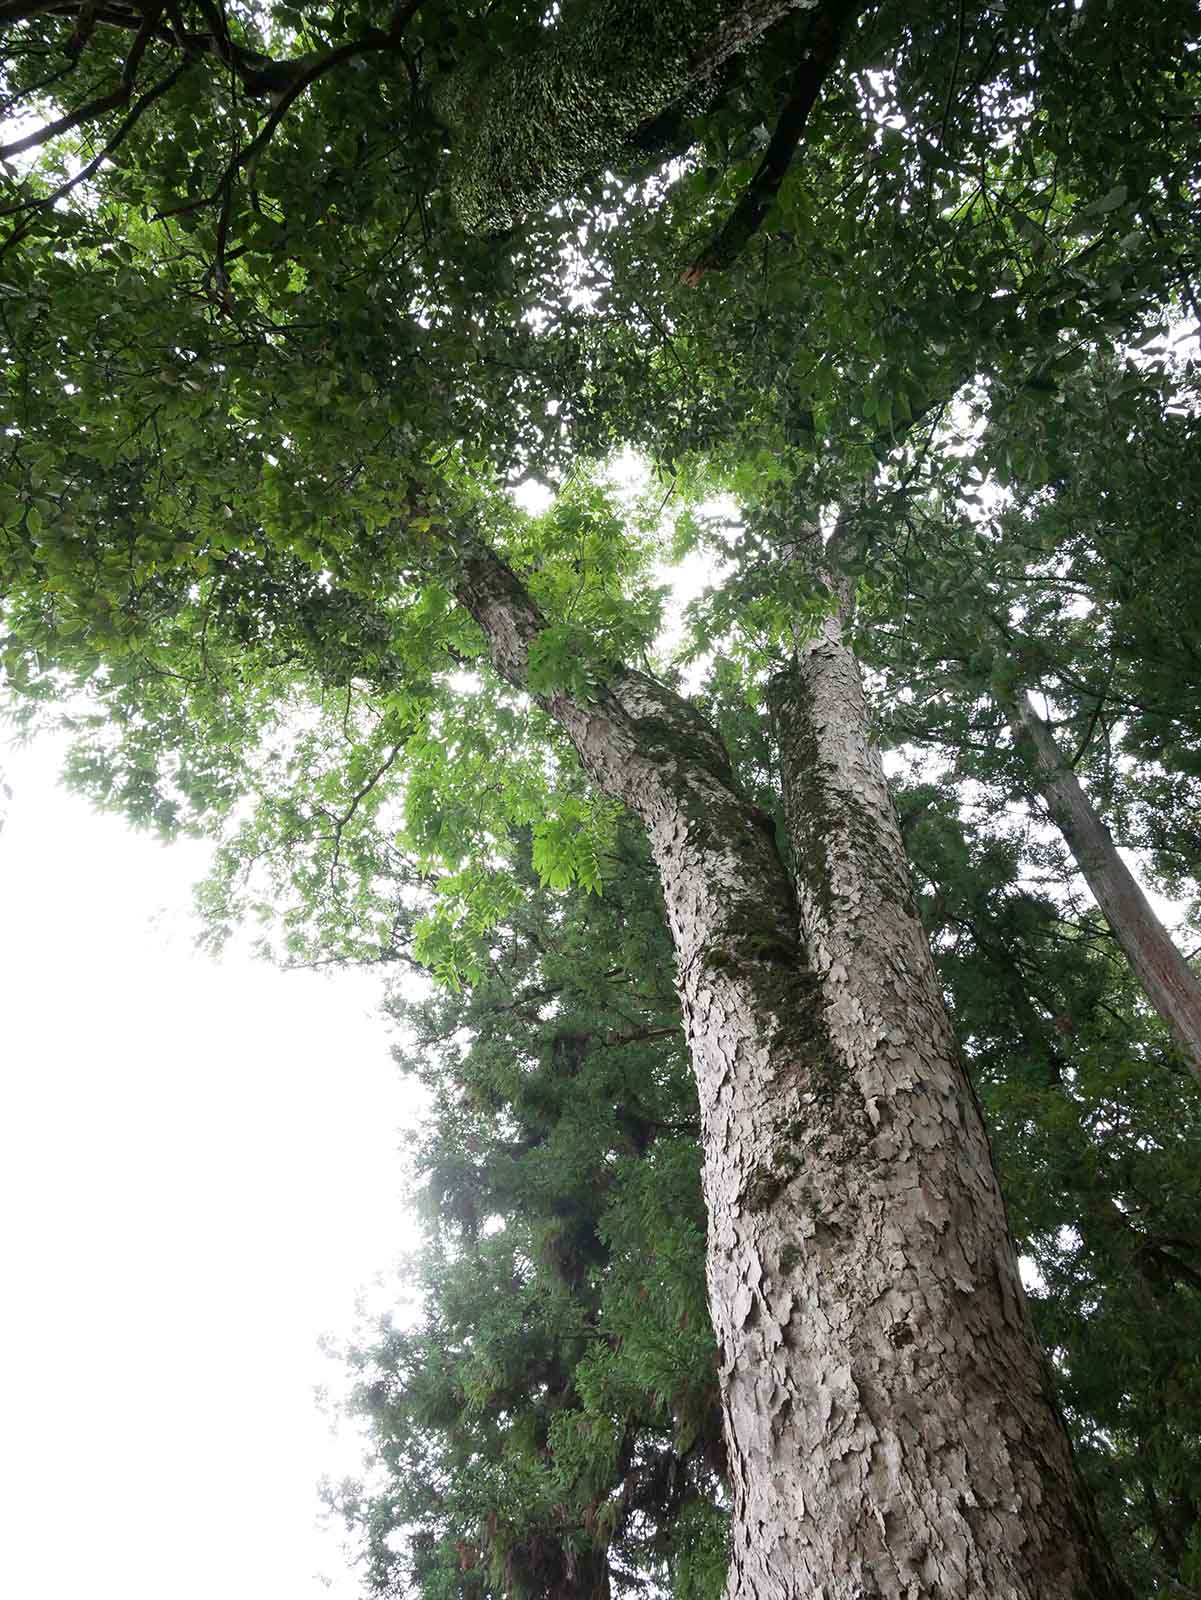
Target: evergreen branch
[(640, 1036), (1089, 731), (549, 991)]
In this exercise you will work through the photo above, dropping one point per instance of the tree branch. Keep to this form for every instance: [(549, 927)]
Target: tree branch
[(826, 33), (300, 79), (139, 106), (105, 102), (73, 119), (529, 125), (357, 799), (258, 74)]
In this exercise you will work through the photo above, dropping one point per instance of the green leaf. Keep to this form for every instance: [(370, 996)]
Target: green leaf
[(1110, 201)]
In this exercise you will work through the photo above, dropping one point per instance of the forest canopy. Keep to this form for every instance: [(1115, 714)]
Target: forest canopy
[(370, 377)]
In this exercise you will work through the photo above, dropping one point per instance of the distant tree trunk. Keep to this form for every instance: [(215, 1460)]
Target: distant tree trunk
[(889, 1419), (1115, 1234), (1167, 980)]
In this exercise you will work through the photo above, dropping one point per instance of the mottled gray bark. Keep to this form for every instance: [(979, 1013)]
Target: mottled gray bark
[(1166, 978), (889, 1423), (530, 124), (930, 1455)]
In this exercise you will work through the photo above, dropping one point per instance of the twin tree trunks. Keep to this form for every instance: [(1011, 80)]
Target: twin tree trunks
[(890, 1421)]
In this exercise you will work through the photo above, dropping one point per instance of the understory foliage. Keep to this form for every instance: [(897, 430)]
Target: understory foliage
[(554, 1413), (293, 307)]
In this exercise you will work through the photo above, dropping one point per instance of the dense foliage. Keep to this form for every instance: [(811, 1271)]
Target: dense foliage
[(266, 369), (558, 1397), (555, 1409)]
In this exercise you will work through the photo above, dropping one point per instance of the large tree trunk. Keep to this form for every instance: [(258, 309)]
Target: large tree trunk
[(530, 124), (939, 1465), (890, 1426), (1167, 979)]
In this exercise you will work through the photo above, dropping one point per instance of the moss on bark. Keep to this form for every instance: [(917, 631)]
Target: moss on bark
[(530, 127)]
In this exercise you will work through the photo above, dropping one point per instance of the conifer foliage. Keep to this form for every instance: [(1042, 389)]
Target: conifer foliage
[(552, 1423), (560, 1180)]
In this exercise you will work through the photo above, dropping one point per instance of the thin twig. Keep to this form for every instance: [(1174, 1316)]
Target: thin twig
[(140, 105)]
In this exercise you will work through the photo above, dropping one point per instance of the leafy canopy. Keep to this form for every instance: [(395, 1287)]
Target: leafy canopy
[(265, 371)]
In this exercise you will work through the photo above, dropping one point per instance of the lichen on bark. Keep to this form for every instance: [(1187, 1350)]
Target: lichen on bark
[(930, 1457)]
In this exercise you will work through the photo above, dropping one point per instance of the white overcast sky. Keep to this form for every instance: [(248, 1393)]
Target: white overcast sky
[(198, 1170)]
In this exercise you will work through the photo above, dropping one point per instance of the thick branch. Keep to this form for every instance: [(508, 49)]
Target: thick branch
[(72, 119), (716, 853), (824, 42), (258, 74), (140, 105), (530, 127), (604, 730)]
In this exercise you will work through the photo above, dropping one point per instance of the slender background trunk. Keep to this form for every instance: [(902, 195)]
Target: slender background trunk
[(1167, 979)]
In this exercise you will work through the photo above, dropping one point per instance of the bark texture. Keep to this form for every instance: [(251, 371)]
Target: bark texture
[(889, 1422), (530, 125), (1166, 977), (928, 1451)]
